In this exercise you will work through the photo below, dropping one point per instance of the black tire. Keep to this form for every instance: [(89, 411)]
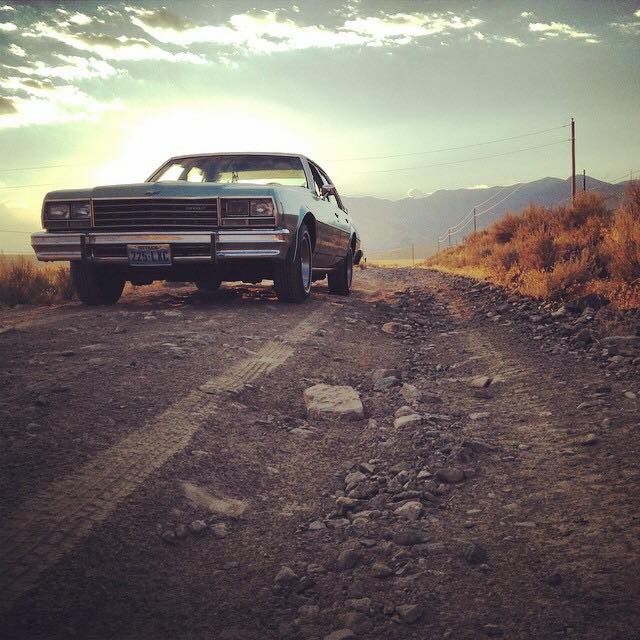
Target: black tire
[(96, 285), (292, 277), (209, 285), (340, 280)]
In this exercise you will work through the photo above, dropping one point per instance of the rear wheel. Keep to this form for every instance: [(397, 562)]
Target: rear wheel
[(96, 285), (340, 280), (292, 276), (209, 285)]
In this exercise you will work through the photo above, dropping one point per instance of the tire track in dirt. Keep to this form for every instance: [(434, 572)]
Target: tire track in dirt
[(52, 522)]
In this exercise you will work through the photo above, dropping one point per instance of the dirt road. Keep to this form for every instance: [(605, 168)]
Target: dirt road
[(160, 477)]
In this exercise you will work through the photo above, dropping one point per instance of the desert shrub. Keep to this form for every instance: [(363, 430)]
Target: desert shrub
[(559, 252), (536, 248), (623, 241), (565, 280), (22, 281), (504, 229), (502, 260)]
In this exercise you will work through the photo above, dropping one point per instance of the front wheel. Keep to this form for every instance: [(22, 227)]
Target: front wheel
[(292, 276), (340, 280), (96, 285), (209, 285)]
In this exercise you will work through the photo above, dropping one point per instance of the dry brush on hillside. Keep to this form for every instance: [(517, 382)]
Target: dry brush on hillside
[(24, 281), (559, 253)]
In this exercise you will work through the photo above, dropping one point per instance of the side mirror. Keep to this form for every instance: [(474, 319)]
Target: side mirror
[(328, 190)]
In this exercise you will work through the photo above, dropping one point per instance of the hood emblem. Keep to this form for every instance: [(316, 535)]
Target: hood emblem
[(151, 192)]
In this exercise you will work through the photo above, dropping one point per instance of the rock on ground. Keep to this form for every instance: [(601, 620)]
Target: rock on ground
[(325, 399)]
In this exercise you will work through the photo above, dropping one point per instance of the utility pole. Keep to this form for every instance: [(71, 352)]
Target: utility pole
[(449, 234), (573, 159), (584, 179), (413, 255), (438, 245), (475, 228)]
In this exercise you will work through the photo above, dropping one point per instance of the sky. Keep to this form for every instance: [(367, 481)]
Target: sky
[(393, 98)]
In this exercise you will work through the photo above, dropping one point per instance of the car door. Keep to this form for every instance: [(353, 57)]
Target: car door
[(341, 215), (329, 224)]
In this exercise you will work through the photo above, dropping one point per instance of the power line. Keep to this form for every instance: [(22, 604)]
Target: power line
[(466, 146), (24, 186), (43, 166), (467, 221), (444, 164), (624, 175), (469, 215)]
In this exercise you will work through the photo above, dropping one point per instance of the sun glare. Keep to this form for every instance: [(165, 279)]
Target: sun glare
[(148, 141)]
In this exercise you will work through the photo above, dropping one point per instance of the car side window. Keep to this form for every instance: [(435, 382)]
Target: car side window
[(334, 199), (317, 179)]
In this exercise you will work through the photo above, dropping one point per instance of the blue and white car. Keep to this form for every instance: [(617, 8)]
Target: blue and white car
[(206, 219)]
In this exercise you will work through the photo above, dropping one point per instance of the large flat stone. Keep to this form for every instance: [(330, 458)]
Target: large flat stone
[(329, 400), (200, 497)]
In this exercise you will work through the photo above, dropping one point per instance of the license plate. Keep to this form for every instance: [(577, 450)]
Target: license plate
[(148, 255)]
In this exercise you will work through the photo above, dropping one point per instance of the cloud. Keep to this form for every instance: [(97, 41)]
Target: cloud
[(160, 19), (7, 106), (268, 32), (76, 68), (41, 102), (561, 28), (405, 26), (630, 27), (17, 51), (526, 14), (415, 193), (516, 42), (111, 47), (6, 7), (108, 11), (7, 26), (80, 19), (479, 186)]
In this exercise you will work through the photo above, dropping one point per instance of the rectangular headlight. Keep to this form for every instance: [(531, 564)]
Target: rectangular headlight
[(262, 208), (80, 210), (235, 208), (57, 211), (247, 207)]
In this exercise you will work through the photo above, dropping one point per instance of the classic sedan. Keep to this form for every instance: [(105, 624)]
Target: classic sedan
[(205, 219)]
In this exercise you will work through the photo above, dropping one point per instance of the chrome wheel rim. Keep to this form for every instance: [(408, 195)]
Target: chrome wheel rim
[(305, 263)]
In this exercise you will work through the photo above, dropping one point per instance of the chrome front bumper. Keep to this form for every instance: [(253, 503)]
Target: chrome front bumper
[(186, 246)]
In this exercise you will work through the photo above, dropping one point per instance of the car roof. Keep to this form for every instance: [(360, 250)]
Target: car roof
[(239, 153)]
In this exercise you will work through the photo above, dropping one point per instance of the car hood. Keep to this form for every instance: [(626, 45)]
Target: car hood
[(177, 189)]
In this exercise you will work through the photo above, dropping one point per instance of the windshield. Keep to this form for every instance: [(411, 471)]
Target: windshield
[(236, 169)]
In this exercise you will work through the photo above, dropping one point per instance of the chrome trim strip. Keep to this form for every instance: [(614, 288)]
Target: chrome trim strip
[(110, 259), (127, 237), (192, 258), (262, 237), (52, 246), (248, 253)]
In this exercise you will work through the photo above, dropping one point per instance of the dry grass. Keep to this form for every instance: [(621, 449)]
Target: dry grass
[(559, 253), (24, 281)]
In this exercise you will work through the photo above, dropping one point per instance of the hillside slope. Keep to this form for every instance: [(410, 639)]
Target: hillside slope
[(565, 252), (387, 224)]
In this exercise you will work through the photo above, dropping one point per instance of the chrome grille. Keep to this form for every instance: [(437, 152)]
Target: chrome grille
[(155, 214)]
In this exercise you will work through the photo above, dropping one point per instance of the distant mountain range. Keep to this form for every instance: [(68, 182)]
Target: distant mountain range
[(389, 224)]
